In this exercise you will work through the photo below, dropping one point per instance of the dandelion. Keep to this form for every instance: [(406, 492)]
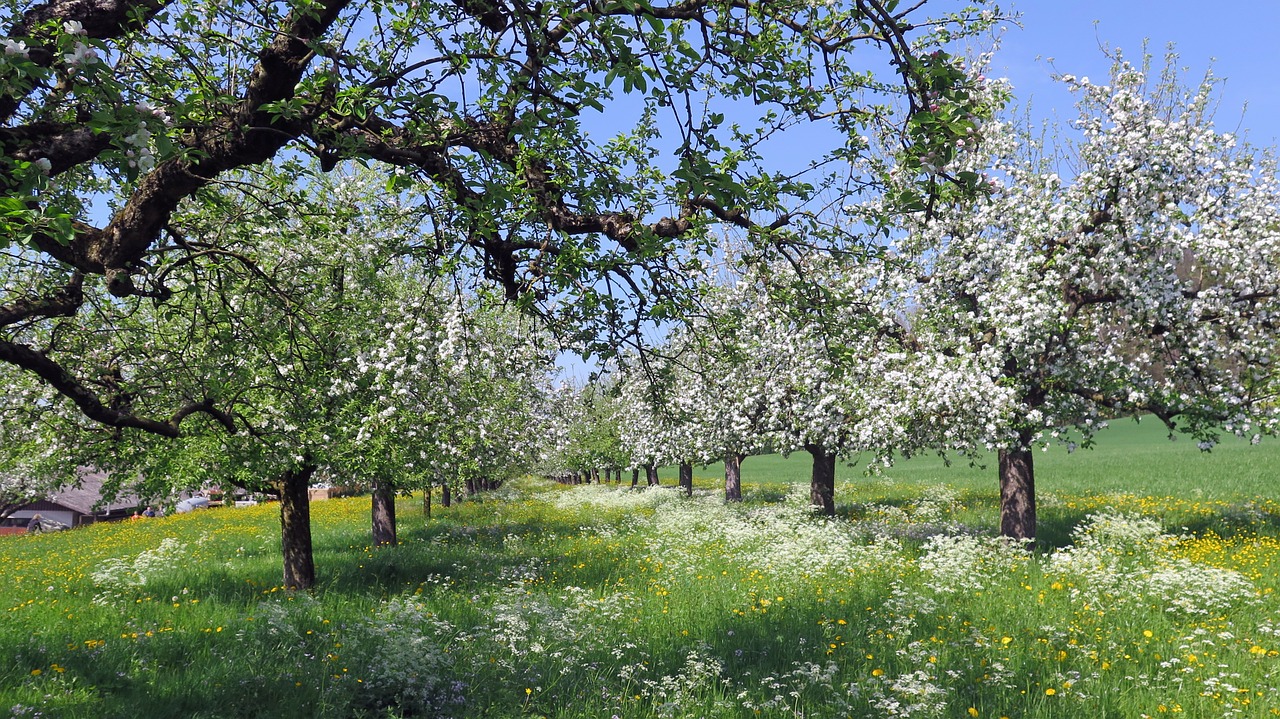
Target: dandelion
[(1050, 691), (973, 711)]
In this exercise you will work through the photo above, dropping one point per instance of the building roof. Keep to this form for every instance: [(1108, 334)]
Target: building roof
[(87, 498)]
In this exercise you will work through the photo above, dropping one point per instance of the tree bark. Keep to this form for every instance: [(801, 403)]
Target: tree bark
[(822, 486), (426, 502), (686, 478), (446, 496), (295, 528), (651, 474), (733, 477), (383, 514), (1018, 492), (635, 476)]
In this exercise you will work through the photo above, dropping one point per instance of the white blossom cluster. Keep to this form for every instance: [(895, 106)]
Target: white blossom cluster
[(1143, 280)]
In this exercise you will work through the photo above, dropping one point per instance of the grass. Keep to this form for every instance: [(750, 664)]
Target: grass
[(549, 601), (1129, 456)]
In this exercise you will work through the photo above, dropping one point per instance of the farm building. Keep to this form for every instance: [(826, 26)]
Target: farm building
[(74, 506)]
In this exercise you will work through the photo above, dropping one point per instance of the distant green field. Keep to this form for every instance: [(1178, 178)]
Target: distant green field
[(1130, 457)]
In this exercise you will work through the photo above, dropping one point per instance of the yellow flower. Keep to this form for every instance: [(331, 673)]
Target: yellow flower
[(973, 712), (874, 672), (37, 672), (1050, 691), (1146, 633)]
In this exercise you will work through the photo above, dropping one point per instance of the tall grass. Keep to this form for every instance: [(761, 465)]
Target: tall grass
[(548, 601)]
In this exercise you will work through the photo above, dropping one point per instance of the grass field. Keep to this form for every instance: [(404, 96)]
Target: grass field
[(1129, 457), (1152, 593)]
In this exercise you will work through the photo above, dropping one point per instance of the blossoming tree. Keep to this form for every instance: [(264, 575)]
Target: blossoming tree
[(459, 396), (1133, 267), (808, 355)]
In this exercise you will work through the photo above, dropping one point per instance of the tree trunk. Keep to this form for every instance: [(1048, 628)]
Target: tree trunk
[(446, 496), (1017, 492), (733, 477), (822, 486), (635, 476), (471, 487), (651, 474), (426, 502), (686, 478), (295, 528), (383, 514)]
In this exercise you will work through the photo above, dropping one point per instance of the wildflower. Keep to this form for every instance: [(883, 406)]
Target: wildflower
[(1050, 691), (973, 712)]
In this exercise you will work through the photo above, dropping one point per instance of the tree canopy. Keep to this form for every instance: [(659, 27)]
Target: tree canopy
[(528, 135)]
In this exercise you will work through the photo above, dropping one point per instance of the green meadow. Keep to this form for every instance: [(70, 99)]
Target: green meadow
[(1151, 592), (1128, 456)]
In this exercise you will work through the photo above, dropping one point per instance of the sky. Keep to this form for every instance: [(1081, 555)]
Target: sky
[(1234, 38)]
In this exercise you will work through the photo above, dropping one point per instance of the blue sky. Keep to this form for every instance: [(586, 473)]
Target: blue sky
[(1233, 37)]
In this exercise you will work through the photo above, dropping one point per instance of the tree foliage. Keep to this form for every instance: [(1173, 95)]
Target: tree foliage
[(575, 147)]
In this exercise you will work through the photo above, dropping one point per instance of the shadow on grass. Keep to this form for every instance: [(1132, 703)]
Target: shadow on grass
[(467, 557)]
